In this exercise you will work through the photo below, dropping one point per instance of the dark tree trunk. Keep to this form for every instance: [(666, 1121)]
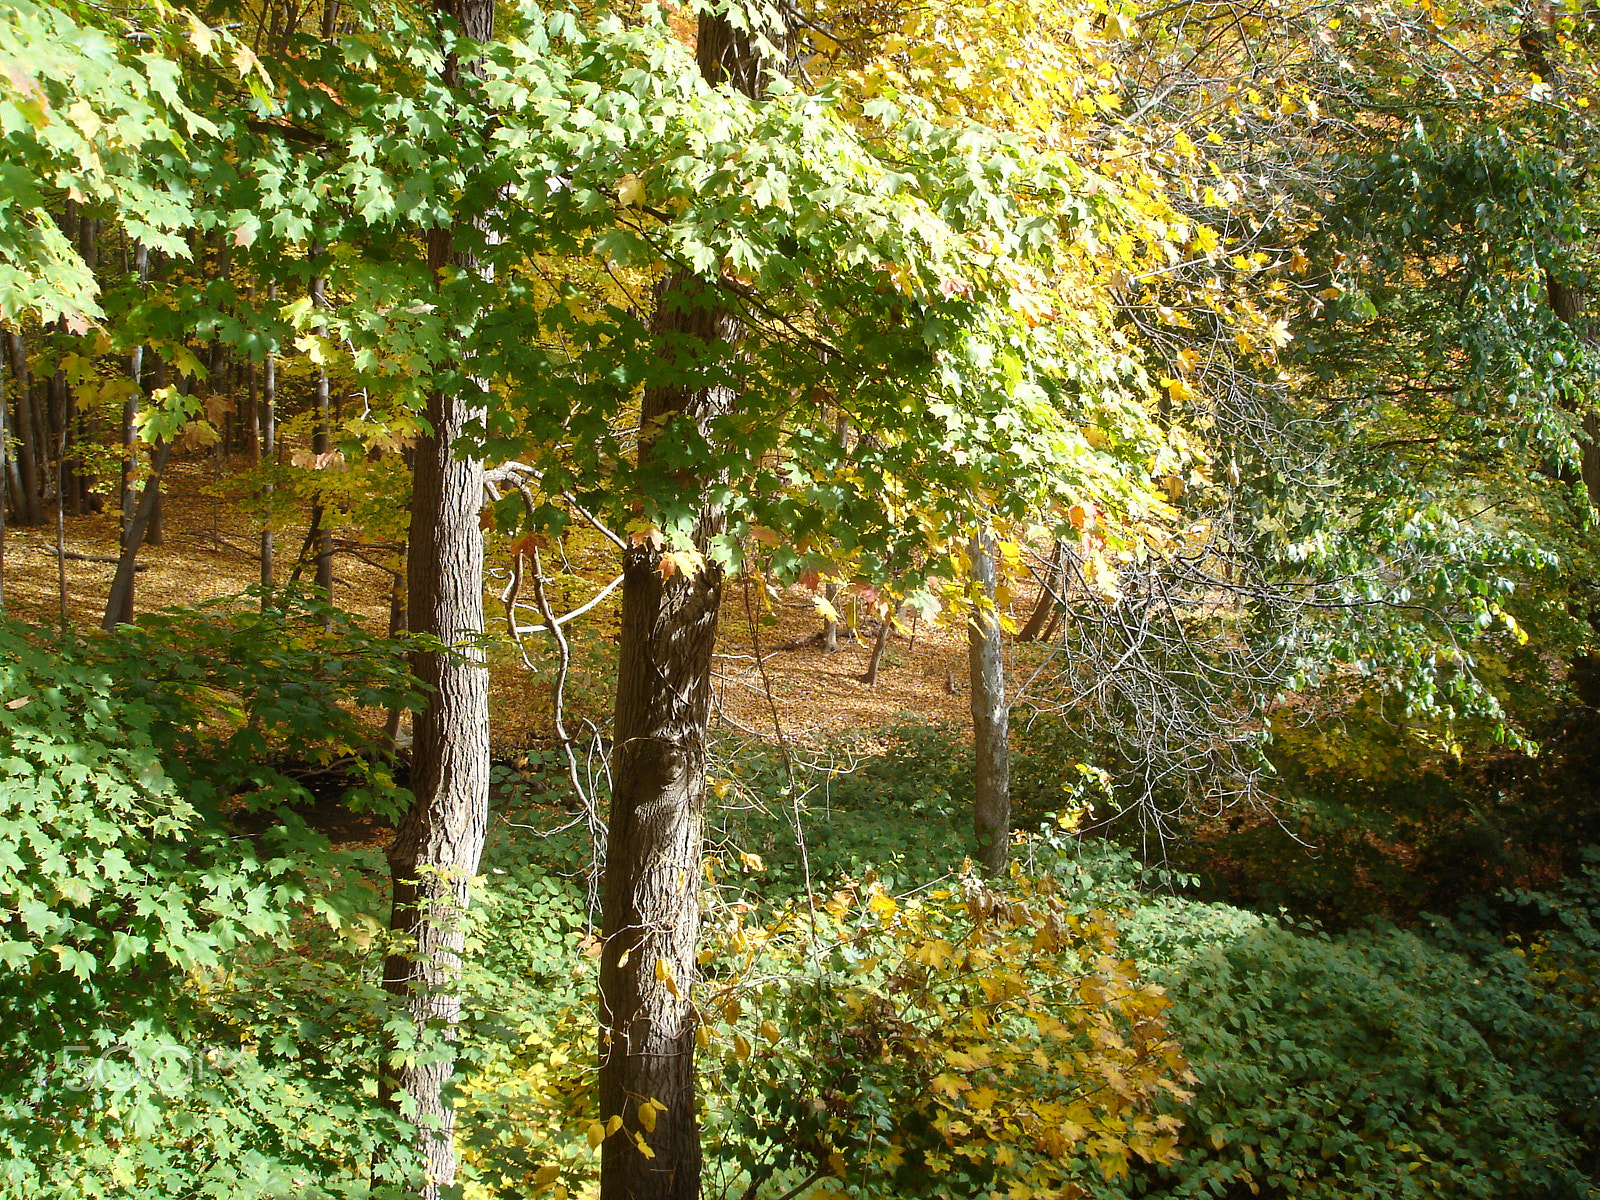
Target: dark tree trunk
[(1051, 589), (651, 917), (119, 605), (397, 626), (32, 512), (269, 449), (436, 849), (991, 807), (652, 874)]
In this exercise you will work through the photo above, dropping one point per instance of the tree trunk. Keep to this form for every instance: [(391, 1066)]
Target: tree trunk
[(320, 444), (651, 913), (830, 625), (991, 808), (1536, 37), (269, 449), (436, 849), (120, 602), (1051, 589), (879, 644), (32, 511), (651, 917)]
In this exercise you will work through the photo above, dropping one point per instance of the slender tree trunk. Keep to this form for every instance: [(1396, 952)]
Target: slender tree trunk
[(879, 644), (397, 626), (32, 510), (651, 910), (830, 625), (320, 443), (1566, 301), (269, 448), (1050, 592), (10, 481), (436, 849), (130, 410), (155, 528), (120, 601), (991, 809)]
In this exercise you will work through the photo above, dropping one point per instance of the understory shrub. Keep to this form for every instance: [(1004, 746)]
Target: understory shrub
[(130, 904), (1382, 1063)]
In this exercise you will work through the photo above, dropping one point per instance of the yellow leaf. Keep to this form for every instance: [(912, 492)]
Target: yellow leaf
[(630, 190), (769, 1031), (546, 1175), (613, 1124), (647, 1116), (597, 1134), (741, 1046), (664, 976)]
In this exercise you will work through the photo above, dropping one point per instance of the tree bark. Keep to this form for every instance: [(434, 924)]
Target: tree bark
[(32, 511), (119, 605), (991, 783), (320, 444), (1050, 591), (875, 660), (437, 847), (651, 910), (269, 449)]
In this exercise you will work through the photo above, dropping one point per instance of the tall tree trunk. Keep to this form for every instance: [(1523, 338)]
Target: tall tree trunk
[(880, 643), (991, 782), (830, 625), (320, 443), (32, 512), (269, 449), (437, 847), (651, 909), (130, 411)]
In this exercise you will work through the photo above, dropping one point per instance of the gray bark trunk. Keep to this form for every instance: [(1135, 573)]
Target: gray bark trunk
[(437, 847), (991, 783)]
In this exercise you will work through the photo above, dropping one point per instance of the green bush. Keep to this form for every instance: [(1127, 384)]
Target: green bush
[(130, 1062), (1383, 1063)]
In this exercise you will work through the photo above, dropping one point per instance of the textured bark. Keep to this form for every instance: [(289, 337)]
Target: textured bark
[(653, 849), (991, 783), (651, 917), (436, 849)]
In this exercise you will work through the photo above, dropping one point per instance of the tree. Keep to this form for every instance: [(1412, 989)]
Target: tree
[(991, 781), (655, 832), (435, 853)]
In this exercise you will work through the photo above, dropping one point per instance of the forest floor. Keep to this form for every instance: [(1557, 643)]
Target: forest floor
[(210, 549)]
